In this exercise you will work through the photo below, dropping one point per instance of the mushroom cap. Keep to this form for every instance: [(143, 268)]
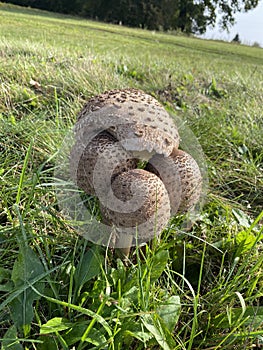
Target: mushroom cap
[(134, 118), (102, 159), (182, 178), (142, 206)]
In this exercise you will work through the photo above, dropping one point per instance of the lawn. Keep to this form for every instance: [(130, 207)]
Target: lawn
[(192, 289)]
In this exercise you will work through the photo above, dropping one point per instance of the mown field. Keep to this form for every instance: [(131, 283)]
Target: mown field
[(195, 289)]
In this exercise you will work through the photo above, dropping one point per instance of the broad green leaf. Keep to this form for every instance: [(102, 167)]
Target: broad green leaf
[(241, 218), (140, 335), (74, 335), (48, 343), (95, 337), (56, 324), (83, 311), (131, 295), (130, 329), (245, 241), (156, 267), (118, 274), (159, 264), (169, 311), (25, 269), (88, 267), (156, 331), (10, 340)]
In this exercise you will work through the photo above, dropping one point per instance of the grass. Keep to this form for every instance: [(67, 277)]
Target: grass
[(200, 289)]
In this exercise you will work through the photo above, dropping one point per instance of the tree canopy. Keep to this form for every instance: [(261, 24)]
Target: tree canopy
[(189, 16)]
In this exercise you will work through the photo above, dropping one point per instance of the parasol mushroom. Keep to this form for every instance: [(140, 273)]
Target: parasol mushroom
[(182, 178), (143, 209)]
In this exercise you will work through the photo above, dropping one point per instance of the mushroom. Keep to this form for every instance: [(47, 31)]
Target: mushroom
[(134, 118), (102, 158), (114, 131), (182, 178), (142, 208)]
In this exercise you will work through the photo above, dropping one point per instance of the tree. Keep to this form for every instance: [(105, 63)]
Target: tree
[(228, 9), (194, 16), (189, 16)]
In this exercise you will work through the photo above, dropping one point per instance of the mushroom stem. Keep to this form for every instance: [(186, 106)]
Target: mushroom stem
[(125, 241)]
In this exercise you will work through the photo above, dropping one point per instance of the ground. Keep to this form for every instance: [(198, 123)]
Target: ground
[(194, 289)]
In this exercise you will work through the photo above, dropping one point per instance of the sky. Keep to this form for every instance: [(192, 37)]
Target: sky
[(248, 25)]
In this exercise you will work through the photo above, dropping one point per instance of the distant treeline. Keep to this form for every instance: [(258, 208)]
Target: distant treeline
[(190, 16)]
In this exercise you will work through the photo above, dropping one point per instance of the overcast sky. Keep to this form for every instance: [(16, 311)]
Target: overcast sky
[(248, 25)]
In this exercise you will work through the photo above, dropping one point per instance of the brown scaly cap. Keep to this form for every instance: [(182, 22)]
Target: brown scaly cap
[(83, 159), (139, 121), (182, 178), (152, 209)]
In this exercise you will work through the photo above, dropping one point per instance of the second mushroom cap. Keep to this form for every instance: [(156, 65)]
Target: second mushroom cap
[(143, 205)]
